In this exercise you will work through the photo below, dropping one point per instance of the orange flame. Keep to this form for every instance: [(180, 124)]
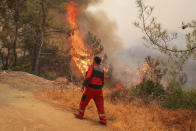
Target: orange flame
[(79, 50), (118, 86)]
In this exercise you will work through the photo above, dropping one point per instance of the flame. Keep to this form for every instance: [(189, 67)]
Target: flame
[(118, 86), (142, 72), (79, 51), (149, 71)]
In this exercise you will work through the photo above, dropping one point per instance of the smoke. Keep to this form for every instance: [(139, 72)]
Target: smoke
[(84, 4), (105, 29), (134, 57)]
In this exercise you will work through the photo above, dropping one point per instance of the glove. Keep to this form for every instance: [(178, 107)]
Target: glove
[(82, 89)]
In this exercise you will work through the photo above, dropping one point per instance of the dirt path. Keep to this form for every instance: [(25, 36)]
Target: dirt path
[(21, 111)]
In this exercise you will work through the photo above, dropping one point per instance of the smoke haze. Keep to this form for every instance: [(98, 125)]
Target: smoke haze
[(84, 4)]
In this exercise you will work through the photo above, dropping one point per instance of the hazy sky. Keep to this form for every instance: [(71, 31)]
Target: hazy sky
[(170, 13)]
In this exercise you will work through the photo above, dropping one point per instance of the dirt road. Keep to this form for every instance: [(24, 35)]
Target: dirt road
[(21, 111)]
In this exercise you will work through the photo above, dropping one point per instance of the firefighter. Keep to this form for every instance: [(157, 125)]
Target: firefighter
[(93, 82)]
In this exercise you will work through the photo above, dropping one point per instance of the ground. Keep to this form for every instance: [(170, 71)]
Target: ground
[(21, 110)]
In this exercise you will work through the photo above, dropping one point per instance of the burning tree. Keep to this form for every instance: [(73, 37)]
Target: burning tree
[(79, 51), (83, 49), (151, 69)]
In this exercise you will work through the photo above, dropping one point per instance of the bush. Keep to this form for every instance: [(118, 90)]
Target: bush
[(190, 97), (148, 89), (177, 98)]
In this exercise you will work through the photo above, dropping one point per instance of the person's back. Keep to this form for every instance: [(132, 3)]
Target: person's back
[(94, 83), (95, 77)]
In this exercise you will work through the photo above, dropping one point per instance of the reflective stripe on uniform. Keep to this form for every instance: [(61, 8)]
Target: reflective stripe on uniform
[(81, 110), (101, 114)]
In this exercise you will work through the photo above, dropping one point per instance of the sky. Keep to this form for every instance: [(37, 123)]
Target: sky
[(170, 13)]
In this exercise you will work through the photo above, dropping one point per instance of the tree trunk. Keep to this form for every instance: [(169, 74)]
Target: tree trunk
[(1, 56), (7, 60), (16, 18), (42, 38)]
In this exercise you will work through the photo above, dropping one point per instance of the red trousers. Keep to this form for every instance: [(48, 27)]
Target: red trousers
[(97, 96)]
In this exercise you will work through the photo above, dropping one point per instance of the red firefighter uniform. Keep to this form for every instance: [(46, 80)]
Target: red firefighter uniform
[(94, 83)]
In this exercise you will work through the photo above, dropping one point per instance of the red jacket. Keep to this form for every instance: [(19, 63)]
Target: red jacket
[(94, 77)]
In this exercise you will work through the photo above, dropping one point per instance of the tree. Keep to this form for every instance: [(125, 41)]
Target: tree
[(94, 43), (43, 10), (6, 33), (16, 7), (151, 70), (45, 6), (160, 39)]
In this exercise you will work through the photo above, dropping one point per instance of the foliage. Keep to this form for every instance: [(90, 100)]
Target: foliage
[(94, 43), (177, 98), (149, 89)]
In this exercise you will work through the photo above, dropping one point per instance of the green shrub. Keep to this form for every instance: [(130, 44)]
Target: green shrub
[(177, 98), (147, 88), (158, 90), (190, 97)]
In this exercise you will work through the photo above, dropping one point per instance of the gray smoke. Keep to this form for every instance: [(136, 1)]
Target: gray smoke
[(84, 4), (105, 29)]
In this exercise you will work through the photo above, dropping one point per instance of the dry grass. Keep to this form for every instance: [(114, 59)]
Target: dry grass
[(134, 116)]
